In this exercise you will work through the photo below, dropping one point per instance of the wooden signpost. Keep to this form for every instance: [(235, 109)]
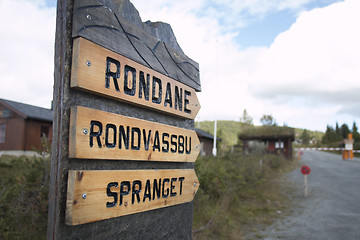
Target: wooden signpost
[(104, 72), (123, 142), (96, 134), (97, 195)]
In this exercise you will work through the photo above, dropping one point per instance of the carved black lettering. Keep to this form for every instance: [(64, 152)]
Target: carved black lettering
[(181, 141), (178, 98), (136, 192), (168, 96), (107, 143), (181, 179), (186, 102), (165, 147), (188, 145), (144, 86), (146, 139), (173, 143), (94, 133), (172, 186), (124, 190), (156, 141), (124, 136), (109, 193), (138, 133), (157, 189), (156, 98), (114, 75), (165, 195), (147, 192), (129, 91)]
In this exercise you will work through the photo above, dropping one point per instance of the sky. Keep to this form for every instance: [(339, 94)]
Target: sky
[(297, 60)]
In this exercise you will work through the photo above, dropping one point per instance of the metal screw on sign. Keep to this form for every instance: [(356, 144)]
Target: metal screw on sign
[(84, 196), (88, 63), (88, 17), (85, 131), (194, 184)]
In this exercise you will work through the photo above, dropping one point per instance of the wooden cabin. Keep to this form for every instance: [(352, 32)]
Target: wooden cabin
[(23, 126), (276, 140), (207, 142)]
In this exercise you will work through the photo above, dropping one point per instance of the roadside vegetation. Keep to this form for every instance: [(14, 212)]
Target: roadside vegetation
[(238, 194), (24, 187)]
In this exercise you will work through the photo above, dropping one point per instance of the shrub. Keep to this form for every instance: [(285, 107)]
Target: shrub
[(235, 190), (24, 185)]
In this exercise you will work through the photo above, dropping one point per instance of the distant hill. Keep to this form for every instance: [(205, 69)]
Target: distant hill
[(228, 131), (317, 135)]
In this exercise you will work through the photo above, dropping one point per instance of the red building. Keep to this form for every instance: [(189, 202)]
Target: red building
[(22, 126)]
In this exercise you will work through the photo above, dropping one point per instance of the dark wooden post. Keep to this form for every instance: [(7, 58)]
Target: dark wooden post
[(174, 222)]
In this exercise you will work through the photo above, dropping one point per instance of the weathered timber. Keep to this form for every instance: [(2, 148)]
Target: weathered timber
[(98, 22), (174, 222), (101, 71), (96, 134), (95, 195)]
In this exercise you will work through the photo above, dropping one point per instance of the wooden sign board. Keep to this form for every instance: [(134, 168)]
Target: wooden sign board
[(96, 134), (94, 195), (101, 71)]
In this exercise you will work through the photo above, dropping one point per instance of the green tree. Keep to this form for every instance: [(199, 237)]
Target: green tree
[(268, 120), (246, 118), (330, 135), (305, 137), (337, 129), (345, 131), (354, 131)]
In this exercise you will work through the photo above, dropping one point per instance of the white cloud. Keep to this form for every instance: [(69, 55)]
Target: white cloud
[(317, 56), (27, 51), (295, 79), (299, 79)]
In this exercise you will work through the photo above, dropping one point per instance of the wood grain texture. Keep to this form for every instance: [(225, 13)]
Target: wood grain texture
[(96, 21), (89, 69), (177, 186), (164, 143), (164, 223)]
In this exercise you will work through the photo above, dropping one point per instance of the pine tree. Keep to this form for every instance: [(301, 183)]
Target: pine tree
[(345, 131), (354, 130), (330, 135)]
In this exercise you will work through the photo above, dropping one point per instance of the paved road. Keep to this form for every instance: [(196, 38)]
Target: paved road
[(332, 208)]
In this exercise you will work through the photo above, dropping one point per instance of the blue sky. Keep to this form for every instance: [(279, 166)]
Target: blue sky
[(297, 60), (260, 29)]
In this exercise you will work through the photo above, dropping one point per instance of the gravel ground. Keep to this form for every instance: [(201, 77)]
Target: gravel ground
[(332, 208)]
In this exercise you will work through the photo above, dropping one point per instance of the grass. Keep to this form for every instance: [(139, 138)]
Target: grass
[(24, 184), (237, 195)]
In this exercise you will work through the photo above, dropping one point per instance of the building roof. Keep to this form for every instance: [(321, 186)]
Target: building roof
[(267, 133), (29, 111), (204, 134)]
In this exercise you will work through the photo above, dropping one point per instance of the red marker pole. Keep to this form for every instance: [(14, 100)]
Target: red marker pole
[(305, 170), (306, 186)]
